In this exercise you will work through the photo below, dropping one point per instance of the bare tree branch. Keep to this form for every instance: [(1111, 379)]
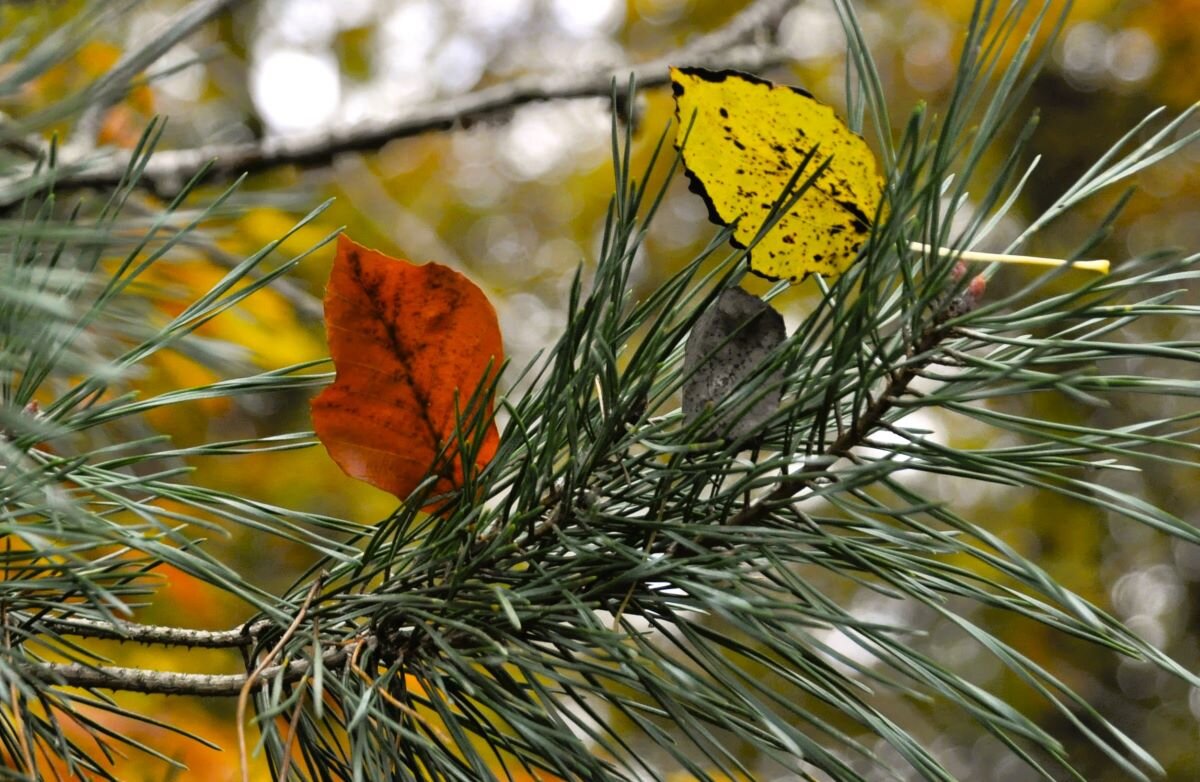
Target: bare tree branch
[(745, 43)]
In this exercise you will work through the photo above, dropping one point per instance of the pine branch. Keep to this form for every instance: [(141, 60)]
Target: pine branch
[(112, 677), (242, 636), (169, 169), (597, 600), (922, 354)]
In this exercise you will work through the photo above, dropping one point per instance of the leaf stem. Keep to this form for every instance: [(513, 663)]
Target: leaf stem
[(1100, 266)]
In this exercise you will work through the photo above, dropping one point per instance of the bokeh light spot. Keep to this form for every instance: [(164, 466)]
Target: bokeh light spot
[(295, 90)]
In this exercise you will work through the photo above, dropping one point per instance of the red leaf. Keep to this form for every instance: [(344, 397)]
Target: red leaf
[(410, 343)]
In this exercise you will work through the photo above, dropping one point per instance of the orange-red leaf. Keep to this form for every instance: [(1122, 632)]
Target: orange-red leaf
[(412, 345)]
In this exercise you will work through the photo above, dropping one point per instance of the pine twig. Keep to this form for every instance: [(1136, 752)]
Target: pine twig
[(258, 674), (112, 677), (871, 418), (238, 637)]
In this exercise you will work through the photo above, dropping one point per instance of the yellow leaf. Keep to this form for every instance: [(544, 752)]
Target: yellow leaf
[(748, 138), (265, 224), (97, 57), (744, 145)]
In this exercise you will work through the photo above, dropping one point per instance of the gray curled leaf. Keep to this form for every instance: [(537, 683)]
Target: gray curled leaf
[(724, 352)]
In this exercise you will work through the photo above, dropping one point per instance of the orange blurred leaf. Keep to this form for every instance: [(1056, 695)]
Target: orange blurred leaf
[(119, 128), (412, 346), (97, 57)]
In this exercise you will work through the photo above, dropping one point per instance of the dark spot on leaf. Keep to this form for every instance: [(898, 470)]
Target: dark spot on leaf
[(862, 222)]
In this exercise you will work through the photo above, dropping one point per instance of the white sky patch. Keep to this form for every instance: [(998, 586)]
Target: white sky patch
[(494, 18), (528, 325), (382, 99), (680, 222), (960, 214), (586, 18), (355, 13), (922, 424), (557, 53), (145, 25), (458, 64), (295, 91), (555, 255), (542, 140), (534, 143), (405, 41), (503, 239), (305, 23), (812, 32), (186, 83), (867, 608), (479, 185)]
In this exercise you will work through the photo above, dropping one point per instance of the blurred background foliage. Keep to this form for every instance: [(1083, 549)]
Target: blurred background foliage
[(519, 203)]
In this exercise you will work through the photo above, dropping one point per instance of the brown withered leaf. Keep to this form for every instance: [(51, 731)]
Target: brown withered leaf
[(412, 346)]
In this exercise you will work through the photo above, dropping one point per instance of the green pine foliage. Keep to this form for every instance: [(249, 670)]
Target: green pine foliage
[(617, 595)]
